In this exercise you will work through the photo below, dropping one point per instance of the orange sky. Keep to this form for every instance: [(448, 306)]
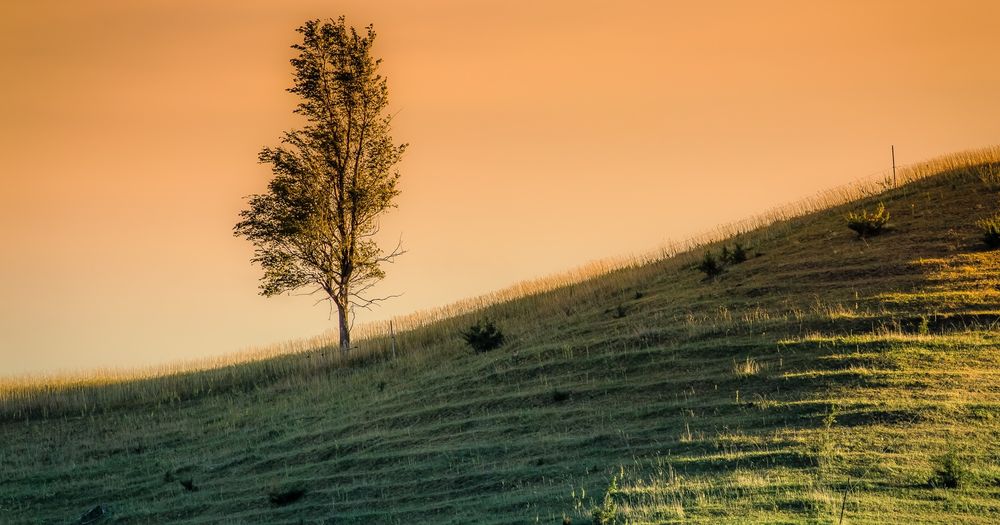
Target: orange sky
[(541, 137)]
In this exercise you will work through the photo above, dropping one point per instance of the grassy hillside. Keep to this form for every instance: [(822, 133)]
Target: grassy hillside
[(825, 375)]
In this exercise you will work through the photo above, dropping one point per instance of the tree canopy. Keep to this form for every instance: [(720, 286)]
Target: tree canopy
[(332, 178)]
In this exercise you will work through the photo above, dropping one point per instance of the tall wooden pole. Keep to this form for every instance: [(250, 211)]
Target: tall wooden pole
[(893, 149)]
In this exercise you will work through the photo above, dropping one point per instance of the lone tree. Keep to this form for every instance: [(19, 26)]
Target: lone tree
[(332, 179)]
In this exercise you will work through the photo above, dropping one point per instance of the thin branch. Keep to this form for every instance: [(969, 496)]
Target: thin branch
[(367, 303), (396, 252), (314, 292)]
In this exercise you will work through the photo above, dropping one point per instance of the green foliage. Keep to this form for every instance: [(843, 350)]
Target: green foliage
[(738, 255), (332, 179), (990, 229), (868, 224), (949, 472), (484, 336), (713, 266), (710, 266)]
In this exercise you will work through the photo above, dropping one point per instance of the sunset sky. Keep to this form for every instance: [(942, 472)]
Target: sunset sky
[(542, 135)]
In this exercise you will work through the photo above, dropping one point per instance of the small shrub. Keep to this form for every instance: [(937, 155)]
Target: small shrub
[(559, 396), (567, 520), (710, 266), (990, 229), (189, 485), (286, 495), (868, 224), (949, 472), (484, 336), (738, 255), (620, 311)]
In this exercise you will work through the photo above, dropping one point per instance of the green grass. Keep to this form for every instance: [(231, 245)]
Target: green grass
[(825, 374)]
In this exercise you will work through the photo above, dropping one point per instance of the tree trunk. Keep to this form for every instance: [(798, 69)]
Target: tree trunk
[(345, 329)]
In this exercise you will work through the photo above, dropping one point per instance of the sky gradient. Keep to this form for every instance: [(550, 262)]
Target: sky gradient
[(541, 137)]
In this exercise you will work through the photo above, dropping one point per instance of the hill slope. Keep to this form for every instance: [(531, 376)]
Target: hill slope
[(824, 375)]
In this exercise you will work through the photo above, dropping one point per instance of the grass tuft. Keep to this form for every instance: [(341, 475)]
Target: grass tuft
[(747, 367)]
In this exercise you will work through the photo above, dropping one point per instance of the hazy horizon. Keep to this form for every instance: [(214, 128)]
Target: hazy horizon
[(542, 137)]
